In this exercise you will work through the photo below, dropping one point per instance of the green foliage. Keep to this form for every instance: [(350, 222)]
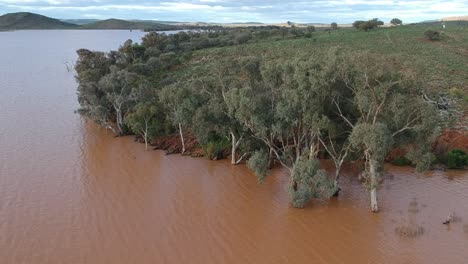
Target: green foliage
[(457, 159), (401, 161), (309, 181), (396, 21), (244, 38), (457, 93), (310, 29), (423, 160), (145, 120), (367, 25), (259, 164), (279, 94), (214, 147), (334, 26), (432, 34), (376, 139)]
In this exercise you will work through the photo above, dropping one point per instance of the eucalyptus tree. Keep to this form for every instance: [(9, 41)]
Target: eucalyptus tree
[(334, 26), (120, 88), (396, 21), (217, 115), (181, 104), (284, 113), (130, 53), (385, 110), (320, 75), (144, 121), (90, 68)]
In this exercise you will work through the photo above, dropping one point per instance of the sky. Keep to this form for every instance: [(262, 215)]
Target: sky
[(267, 11)]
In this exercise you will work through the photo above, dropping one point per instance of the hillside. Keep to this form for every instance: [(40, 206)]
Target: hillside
[(80, 21), (455, 18), (25, 20), (444, 63), (124, 24)]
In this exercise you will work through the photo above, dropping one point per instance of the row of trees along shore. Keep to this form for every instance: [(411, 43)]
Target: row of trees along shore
[(268, 110)]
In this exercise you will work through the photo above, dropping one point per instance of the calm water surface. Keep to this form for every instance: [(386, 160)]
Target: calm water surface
[(71, 193)]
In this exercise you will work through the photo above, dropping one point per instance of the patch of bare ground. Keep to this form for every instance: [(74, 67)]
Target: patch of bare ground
[(465, 228), (171, 144), (456, 137)]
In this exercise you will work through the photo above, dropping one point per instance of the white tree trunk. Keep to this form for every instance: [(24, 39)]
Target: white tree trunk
[(182, 138), (336, 184), (338, 165), (234, 149), (373, 182), (119, 121), (145, 136)]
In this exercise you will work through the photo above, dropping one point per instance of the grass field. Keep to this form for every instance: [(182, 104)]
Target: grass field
[(443, 63)]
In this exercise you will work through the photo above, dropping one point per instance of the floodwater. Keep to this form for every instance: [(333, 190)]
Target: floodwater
[(72, 193)]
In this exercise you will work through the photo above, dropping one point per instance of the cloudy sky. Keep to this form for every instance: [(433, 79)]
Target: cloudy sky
[(269, 11)]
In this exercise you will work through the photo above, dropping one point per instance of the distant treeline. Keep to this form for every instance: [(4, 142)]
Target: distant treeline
[(269, 109)]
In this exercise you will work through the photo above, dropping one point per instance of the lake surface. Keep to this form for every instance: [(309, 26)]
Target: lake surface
[(72, 193)]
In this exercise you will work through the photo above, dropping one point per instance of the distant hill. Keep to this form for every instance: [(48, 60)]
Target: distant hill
[(25, 20), (125, 24), (455, 18), (80, 21)]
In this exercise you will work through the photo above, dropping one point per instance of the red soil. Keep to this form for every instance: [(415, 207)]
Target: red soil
[(172, 145)]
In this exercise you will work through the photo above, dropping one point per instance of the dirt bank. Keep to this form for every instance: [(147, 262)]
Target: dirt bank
[(171, 144)]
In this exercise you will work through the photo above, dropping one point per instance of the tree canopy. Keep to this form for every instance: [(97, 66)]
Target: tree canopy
[(268, 109)]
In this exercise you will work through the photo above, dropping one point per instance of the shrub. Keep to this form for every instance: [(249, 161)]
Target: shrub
[(310, 29), (243, 38), (456, 92), (367, 25), (432, 34), (357, 23), (311, 182), (396, 21), (334, 26), (259, 164), (457, 159), (214, 149)]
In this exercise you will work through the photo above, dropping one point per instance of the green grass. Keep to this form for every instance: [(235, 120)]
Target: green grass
[(443, 64)]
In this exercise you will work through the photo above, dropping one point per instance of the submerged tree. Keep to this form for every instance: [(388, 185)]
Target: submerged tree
[(279, 106), (388, 111)]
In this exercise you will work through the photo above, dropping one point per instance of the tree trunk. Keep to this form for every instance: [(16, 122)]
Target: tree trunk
[(146, 141), (373, 187), (145, 135), (337, 177), (270, 159), (182, 138), (234, 148), (120, 122)]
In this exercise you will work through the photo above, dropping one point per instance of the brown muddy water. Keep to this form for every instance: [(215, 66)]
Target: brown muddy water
[(72, 193)]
